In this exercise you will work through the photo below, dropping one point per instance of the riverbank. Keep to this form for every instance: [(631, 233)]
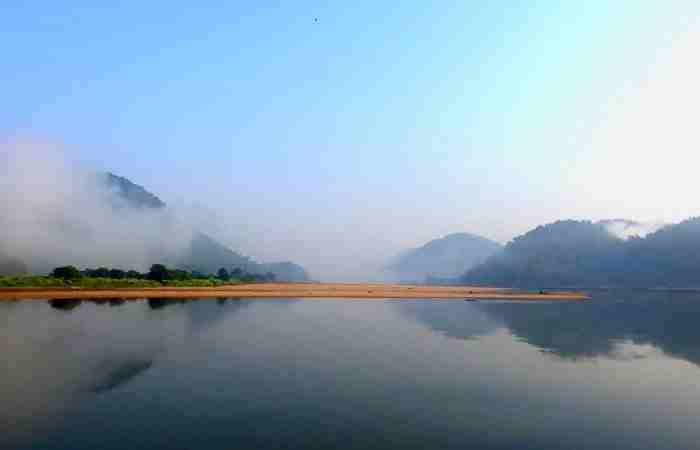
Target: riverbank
[(295, 290)]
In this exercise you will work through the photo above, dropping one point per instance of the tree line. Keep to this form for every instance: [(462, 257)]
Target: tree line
[(585, 254), (161, 273)]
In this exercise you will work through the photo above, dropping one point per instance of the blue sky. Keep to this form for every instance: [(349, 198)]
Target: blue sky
[(372, 128)]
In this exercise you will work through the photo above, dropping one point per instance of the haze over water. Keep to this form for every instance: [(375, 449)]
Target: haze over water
[(619, 371)]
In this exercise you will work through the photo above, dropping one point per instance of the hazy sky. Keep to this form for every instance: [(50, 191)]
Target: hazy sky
[(338, 135)]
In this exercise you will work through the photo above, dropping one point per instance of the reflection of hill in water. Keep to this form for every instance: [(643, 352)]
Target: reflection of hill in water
[(575, 330), (111, 374), (459, 320)]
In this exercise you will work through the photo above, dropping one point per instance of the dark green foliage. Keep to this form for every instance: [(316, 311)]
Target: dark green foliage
[(158, 273), (101, 272), (114, 274), (66, 273), (117, 274), (223, 274), (179, 275), (32, 281)]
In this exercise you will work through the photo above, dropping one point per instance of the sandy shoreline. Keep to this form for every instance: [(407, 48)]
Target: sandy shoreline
[(294, 290)]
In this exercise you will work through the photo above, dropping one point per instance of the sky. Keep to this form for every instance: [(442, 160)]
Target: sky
[(339, 134)]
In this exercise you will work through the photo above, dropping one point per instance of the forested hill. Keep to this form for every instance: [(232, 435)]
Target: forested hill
[(583, 253), (446, 257), (206, 255), (130, 193)]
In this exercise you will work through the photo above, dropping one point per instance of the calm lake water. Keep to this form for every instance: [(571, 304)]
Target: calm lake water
[(621, 371)]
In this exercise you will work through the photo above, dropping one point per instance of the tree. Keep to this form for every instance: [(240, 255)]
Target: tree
[(66, 273), (117, 274), (197, 275), (133, 274), (180, 275), (101, 272), (158, 273), (223, 274)]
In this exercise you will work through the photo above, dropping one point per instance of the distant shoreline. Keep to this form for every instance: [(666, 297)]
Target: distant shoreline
[(296, 290)]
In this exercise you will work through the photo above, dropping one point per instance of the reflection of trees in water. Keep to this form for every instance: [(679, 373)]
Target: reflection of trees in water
[(566, 330), (575, 330), (201, 312), (665, 320), (67, 304), (160, 303), (64, 304), (94, 349), (53, 368)]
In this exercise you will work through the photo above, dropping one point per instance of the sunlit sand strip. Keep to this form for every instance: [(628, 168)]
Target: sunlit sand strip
[(298, 290)]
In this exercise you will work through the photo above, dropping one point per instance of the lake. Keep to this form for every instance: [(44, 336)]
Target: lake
[(620, 371)]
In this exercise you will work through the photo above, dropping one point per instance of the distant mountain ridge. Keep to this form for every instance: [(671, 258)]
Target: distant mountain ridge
[(134, 195), (205, 254), (624, 228), (446, 257), (584, 253)]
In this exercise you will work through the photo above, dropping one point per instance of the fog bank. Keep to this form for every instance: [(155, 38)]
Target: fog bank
[(54, 212)]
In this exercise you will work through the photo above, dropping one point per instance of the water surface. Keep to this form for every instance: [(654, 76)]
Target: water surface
[(620, 371)]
